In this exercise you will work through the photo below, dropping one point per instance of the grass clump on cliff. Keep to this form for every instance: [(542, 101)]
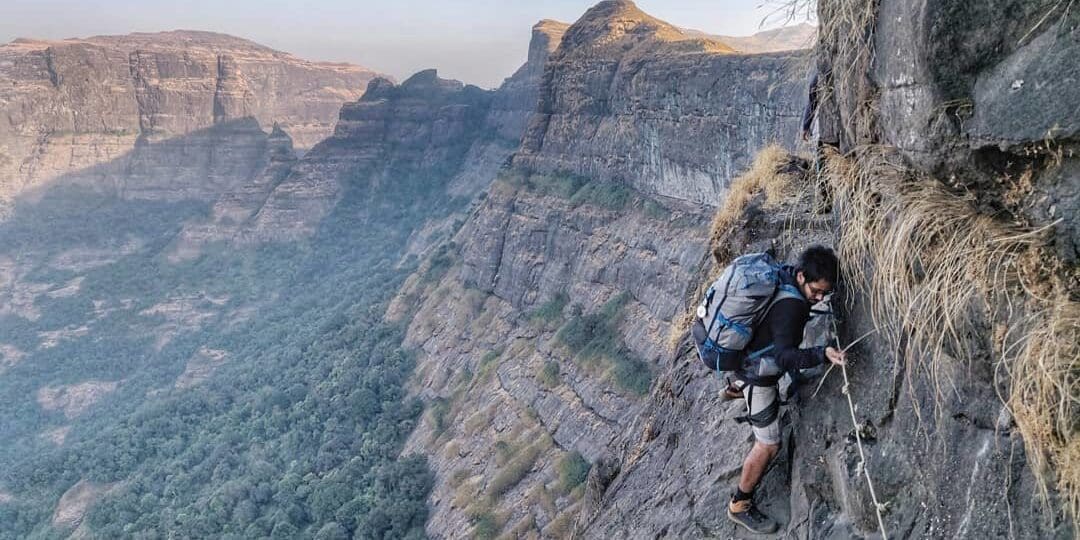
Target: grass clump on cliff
[(573, 469), (769, 175), (936, 272), (766, 175), (551, 312), (597, 344), (548, 375), (583, 191)]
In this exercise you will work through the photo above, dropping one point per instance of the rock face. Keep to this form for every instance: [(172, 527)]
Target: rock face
[(522, 91), (520, 252), (630, 98), (628, 107), (74, 104), (73, 399), (950, 465), (425, 129), (582, 226), (76, 501), (964, 476), (979, 108)]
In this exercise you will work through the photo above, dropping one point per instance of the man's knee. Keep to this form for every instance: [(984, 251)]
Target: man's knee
[(767, 448)]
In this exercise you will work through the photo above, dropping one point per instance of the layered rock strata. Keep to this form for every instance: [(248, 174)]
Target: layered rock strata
[(599, 215), (945, 452), (427, 129), (632, 99), (74, 104)]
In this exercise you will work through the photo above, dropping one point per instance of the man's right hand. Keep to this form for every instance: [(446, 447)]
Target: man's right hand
[(836, 356)]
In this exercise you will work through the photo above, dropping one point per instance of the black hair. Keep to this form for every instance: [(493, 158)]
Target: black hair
[(819, 262)]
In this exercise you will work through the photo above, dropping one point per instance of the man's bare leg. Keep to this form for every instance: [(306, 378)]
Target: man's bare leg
[(755, 464)]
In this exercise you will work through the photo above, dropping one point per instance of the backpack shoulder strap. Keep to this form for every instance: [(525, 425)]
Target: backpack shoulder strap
[(786, 290)]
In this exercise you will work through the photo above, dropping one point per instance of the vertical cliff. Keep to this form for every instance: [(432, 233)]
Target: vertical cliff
[(78, 104), (631, 99), (947, 211), (425, 130), (543, 322)]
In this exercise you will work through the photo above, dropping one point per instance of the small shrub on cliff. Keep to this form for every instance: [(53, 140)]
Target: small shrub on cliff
[(514, 471), (573, 469), (441, 262), (486, 523), (488, 363), (563, 524), (597, 344), (440, 408), (562, 185), (607, 195), (551, 312), (504, 452), (632, 374), (654, 210), (549, 374)]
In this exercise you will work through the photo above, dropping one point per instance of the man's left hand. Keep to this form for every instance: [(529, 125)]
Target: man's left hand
[(836, 356)]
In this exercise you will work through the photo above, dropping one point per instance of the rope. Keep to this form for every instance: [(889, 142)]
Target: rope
[(878, 507)]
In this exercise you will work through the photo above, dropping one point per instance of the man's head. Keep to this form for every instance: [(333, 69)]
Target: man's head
[(817, 272)]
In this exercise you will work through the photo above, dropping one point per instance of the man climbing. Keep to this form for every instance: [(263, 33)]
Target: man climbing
[(773, 351)]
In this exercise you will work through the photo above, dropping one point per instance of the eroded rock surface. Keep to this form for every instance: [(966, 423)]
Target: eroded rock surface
[(74, 399), (76, 501), (583, 221), (201, 366), (633, 99), (78, 103)]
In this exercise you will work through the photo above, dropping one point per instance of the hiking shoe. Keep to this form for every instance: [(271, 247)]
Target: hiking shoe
[(746, 514)]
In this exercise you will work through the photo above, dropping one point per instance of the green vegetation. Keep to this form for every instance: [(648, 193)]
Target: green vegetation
[(549, 374), (578, 190), (551, 312), (607, 195), (486, 524), (573, 469), (441, 262), (297, 434), (654, 210), (439, 409), (488, 363), (514, 470), (596, 343)]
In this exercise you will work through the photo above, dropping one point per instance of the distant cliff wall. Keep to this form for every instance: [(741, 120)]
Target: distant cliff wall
[(632, 99), (75, 104)]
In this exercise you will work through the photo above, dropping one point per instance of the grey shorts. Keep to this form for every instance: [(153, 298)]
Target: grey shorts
[(764, 412)]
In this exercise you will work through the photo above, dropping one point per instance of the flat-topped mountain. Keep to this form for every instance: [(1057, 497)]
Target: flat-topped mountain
[(787, 38), (68, 105)]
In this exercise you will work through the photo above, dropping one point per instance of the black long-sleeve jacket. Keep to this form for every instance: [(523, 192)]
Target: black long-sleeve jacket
[(783, 329)]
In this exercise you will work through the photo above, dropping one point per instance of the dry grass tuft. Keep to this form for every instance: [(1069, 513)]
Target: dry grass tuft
[(764, 176), (768, 174), (935, 273), (846, 38), (1045, 396)]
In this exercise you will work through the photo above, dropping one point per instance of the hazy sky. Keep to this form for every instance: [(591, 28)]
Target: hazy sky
[(477, 41)]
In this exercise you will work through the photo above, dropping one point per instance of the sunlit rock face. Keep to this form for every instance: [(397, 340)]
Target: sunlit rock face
[(72, 105), (633, 99)]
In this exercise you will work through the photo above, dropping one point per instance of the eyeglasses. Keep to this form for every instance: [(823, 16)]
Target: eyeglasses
[(815, 291)]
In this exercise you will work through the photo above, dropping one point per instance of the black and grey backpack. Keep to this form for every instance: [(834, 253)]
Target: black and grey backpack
[(734, 305)]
